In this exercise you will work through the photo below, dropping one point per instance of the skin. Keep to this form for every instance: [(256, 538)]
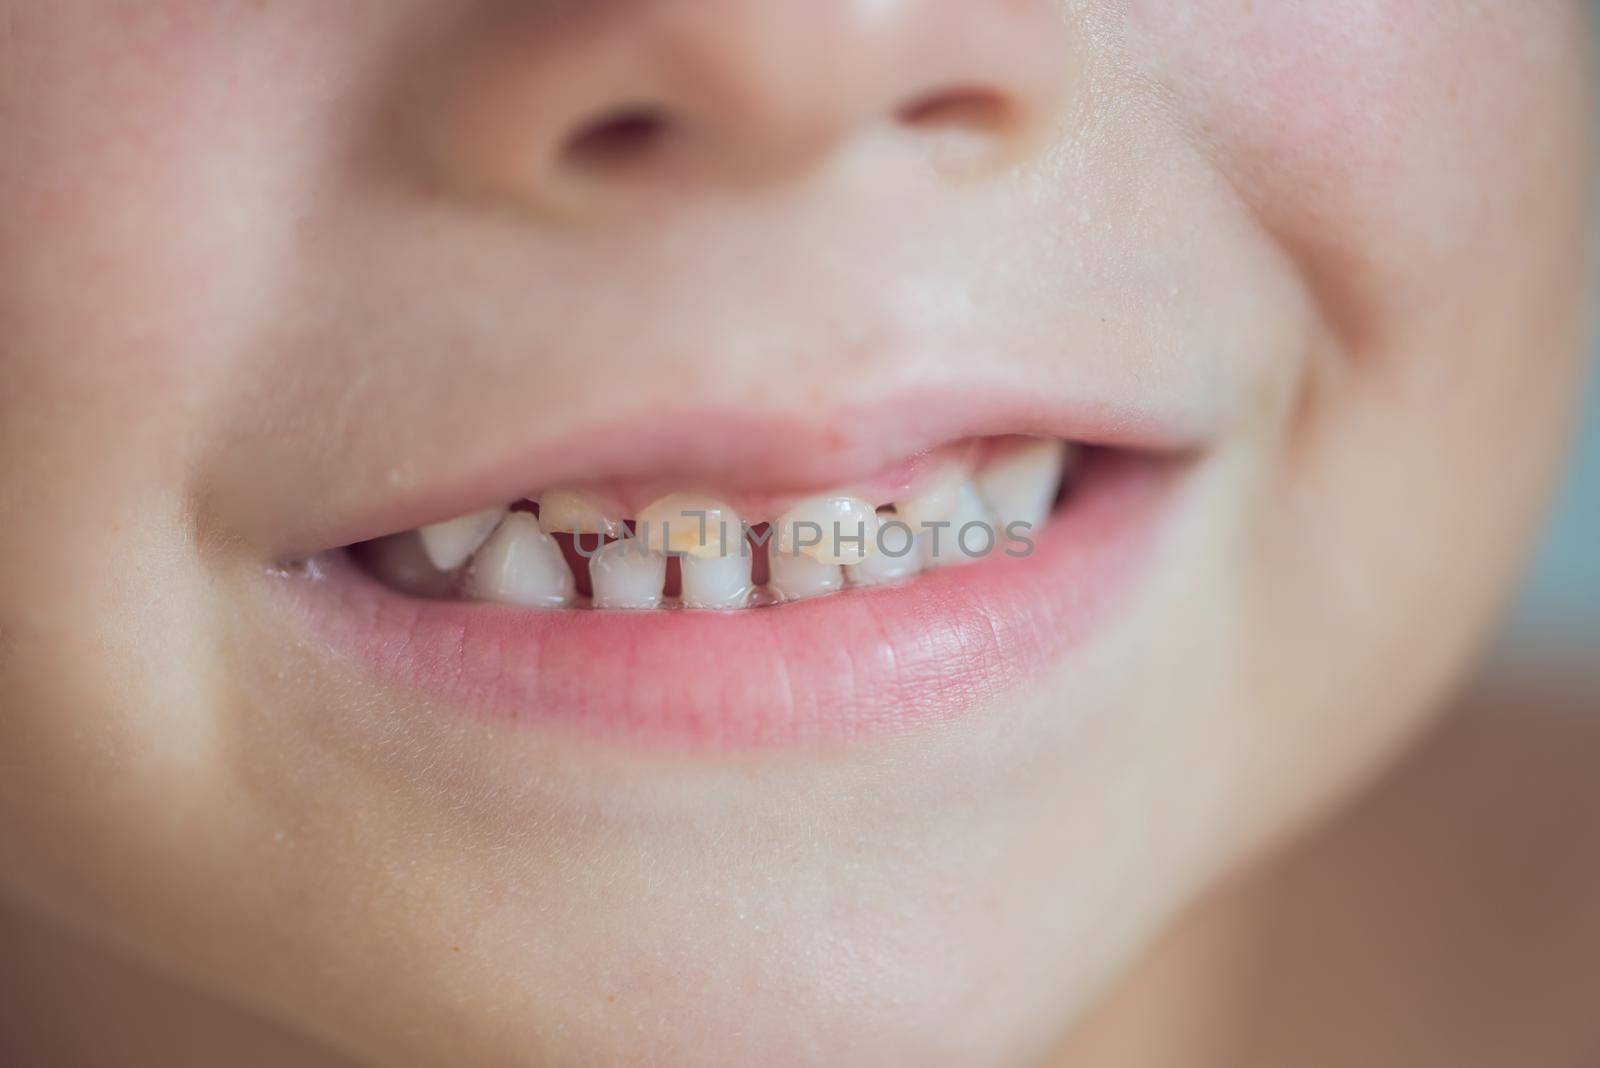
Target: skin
[(251, 254)]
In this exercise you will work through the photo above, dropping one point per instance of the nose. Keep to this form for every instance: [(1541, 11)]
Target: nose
[(575, 108)]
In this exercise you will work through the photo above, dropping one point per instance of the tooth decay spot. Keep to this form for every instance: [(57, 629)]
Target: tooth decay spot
[(692, 524)]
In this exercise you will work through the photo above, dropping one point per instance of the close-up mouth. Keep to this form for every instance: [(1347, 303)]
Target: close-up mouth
[(671, 611), (796, 532)]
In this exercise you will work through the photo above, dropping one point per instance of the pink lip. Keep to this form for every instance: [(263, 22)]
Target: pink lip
[(826, 671)]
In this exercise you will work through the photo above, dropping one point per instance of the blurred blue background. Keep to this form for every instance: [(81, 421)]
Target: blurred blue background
[(1562, 599)]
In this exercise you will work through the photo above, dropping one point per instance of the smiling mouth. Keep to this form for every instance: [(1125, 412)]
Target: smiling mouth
[(585, 547), (632, 608)]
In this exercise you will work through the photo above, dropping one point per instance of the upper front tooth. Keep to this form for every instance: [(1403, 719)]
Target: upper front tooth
[(451, 543), (946, 544), (522, 565), (1020, 485), (716, 581), (836, 529), (689, 523), (627, 575), (934, 501), (569, 511)]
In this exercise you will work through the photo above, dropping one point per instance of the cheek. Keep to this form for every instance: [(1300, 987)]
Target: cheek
[(1371, 137)]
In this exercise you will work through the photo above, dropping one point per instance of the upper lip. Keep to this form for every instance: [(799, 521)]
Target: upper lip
[(737, 452)]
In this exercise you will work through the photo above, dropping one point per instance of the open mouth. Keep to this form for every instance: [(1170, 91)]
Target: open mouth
[(673, 612), (585, 547)]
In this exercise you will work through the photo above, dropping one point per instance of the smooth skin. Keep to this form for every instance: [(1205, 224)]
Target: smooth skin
[(256, 258)]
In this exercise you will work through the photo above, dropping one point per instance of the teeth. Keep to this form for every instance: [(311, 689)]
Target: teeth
[(522, 565), (565, 511), (819, 546), (830, 529), (452, 543), (1020, 485), (796, 577), (900, 556), (719, 582), (699, 526), (934, 502), (946, 546), (399, 560), (626, 575)]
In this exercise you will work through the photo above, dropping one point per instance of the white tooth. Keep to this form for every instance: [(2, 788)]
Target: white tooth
[(1020, 485), (946, 545), (452, 543), (566, 511), (795, 576), (830, 529), (899, 556), (522, 565), (694, 524), (716, 581), (935, 500), (626, 575)]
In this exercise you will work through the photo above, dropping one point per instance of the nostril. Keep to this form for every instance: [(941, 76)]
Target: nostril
[(966, 131), (960, 110), (617, 140)]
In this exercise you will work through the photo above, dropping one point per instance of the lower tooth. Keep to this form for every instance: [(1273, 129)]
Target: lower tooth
[(899, 558), (716, 582), (626, 575), (522, 565), (795, 577), (400, 561), (452, 543)]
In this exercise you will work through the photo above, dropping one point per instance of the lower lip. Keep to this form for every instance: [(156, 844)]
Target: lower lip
[(854, 665)]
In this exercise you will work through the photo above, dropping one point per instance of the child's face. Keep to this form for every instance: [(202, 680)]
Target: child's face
[(282, 276)]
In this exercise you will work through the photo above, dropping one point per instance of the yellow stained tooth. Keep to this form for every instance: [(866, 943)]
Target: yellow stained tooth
[(569, 511), (692, 524), (831, 529)]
